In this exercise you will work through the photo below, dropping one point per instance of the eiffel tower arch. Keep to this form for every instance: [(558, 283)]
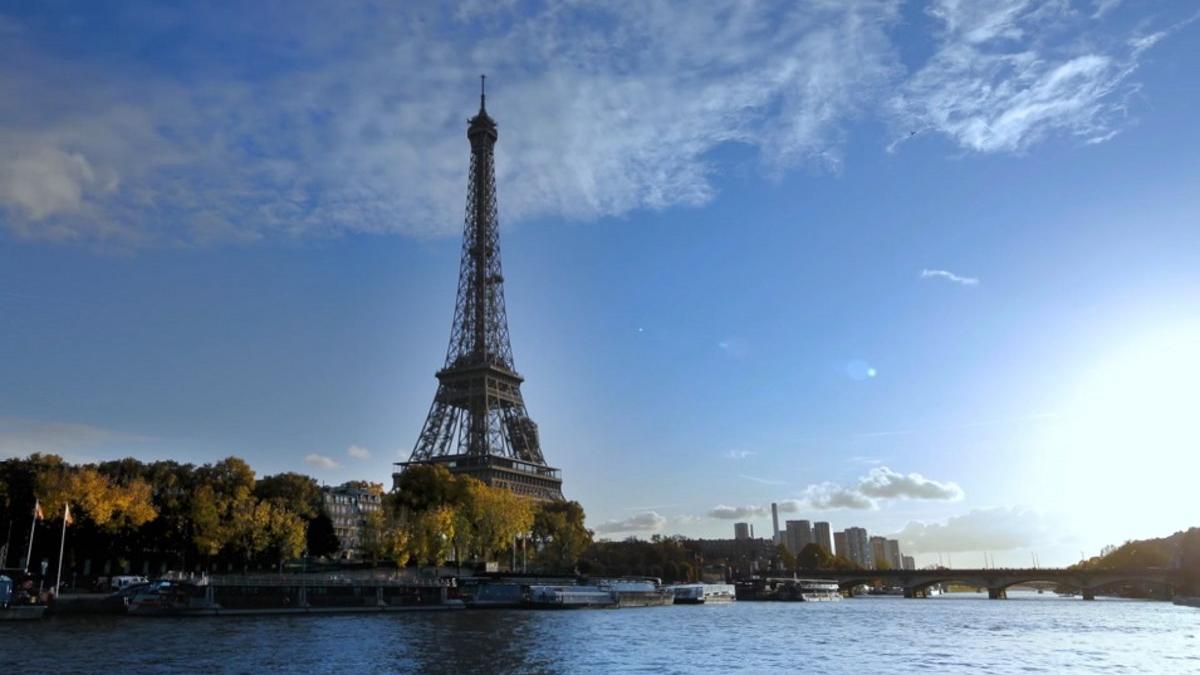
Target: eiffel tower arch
[(477, 424)]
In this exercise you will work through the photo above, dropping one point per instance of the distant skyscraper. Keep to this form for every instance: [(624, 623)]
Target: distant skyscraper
[(840, 546), (775, 522), (909, 562), (859, 547), (891, 549), (878, 550), (797, 535), (823, 536), (741, 530)]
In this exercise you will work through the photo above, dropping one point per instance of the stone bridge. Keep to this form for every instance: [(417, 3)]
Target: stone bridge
[(916, 583)]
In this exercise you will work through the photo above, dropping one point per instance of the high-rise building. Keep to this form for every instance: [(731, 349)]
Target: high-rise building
[(775, 522), (823, 536), (797, 535), (478, 425), (840, 546), (741, 531), (891, 549), (859, 547), (909, 562), (878, 550)]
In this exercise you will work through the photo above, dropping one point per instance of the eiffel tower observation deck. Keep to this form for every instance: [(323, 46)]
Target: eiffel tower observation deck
[(478, 425)]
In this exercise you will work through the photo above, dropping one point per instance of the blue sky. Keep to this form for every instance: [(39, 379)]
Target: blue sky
[(928, 268)]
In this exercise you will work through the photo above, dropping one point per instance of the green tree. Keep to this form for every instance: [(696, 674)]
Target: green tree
[(422, 487), (295, 492), (814, 557), (208, 526), (559, 534), (285, 532)]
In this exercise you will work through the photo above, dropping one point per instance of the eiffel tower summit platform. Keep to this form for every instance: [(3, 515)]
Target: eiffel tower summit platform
[(477, 424)]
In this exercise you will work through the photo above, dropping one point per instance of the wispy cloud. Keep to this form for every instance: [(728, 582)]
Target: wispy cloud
[(762, 481), (23, 436), (320, 461), (1008, 73), (358, 452), (739, 454), (949, 276), (603, 108)]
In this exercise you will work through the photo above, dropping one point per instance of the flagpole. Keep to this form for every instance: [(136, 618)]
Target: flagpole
[(32, 527), (61, 545)]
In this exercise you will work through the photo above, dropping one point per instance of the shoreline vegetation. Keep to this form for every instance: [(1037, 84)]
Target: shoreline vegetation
[(148, 517)]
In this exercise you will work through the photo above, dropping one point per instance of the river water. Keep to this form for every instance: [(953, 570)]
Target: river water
[(1028, 633)]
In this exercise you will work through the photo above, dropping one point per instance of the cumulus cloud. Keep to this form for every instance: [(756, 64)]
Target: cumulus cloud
[(884, 483), (1008, 73), (993, 529), (880, 483), (648, 521), (358, 452), (949, 276), (724, 512), (320, 461), (825, 496)]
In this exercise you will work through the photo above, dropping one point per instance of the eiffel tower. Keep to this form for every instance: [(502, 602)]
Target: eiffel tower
[(477, 425)]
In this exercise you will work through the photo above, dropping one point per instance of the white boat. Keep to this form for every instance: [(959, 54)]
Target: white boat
[(818, 590), (697, 594)]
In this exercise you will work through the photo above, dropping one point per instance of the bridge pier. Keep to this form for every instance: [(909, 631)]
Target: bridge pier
[(913, 592), (997, 593), (1087, 593)]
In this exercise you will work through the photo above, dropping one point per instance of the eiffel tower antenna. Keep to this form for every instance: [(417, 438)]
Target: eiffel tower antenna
[(477, 424)]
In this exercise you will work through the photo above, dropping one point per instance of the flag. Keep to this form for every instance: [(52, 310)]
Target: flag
[(37, 510), (67, 519)]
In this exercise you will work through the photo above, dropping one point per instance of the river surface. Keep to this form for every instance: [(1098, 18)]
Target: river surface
[(1028, 633)]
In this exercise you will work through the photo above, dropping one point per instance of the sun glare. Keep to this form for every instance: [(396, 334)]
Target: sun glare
[(1127, 445)]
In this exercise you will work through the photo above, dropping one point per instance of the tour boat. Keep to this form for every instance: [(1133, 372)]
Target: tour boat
[(698, 594), (569, 597), (788, 589), (647, 592)]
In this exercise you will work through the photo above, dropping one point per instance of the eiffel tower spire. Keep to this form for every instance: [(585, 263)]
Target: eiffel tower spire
[(478, 424)]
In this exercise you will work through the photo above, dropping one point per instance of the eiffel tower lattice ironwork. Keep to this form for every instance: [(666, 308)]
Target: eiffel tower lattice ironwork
[(478, 424)]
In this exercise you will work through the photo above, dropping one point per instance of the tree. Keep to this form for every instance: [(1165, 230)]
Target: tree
[(208, 528), (559, 534), (430, 535), (427, 486), (295, 492), (285, 532), (813, 557), (497, 515), (320, 537)]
